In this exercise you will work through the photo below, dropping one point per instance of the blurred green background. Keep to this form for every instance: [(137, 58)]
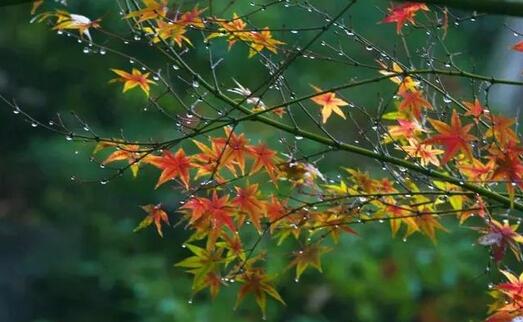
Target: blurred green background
[(67, 250)]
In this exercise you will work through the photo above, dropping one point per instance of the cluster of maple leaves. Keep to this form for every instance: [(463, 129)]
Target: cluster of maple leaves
[(480, 146)]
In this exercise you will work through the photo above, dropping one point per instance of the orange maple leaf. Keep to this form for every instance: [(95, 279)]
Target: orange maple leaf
[(453, 137), (474, 109), (174, 165), (151, 10), (413, 102), (155, 215), (130, 152), (264, 158), (247, 201), (263, 39), (258, 283), (133, 79), (501, 129), (329, 103), (310, 255)]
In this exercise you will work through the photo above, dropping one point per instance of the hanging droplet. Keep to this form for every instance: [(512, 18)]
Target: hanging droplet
[(102, 51), (104, 182), (34, 124)]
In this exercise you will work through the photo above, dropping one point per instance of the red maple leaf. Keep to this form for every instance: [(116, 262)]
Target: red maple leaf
[(403, 14), (453, 137)]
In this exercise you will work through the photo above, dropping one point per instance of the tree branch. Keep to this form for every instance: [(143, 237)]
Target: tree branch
[(502, 7)]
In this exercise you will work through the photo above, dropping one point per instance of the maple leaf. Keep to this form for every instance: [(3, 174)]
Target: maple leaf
[(405, 130), (219, 211), (329, 103), (509, 299), (247, 201), (363, 180), (261, 40), (205, 266), (172, 31), (130, 152), (453, 137), (474, 109), (413, 102), (404, 13), (405, 84), (234, 247), (255, 281), (155, 215), (309, 255), (174, 165), (275, 209), (479, 208), (210, 159), (232, 29), (518, 46), (476, 170), (192, 17), (397, 215), (236, 148), (264, 158), (508, 166), (133, 79), (428, 224), (153, 10), (69, 21), (424, 152), (500, 236), (197, 207), (501, 129)]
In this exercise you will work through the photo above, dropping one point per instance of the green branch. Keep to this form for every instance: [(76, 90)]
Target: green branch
[(501, 7)]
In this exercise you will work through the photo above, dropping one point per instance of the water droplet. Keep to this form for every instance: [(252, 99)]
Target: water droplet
[(297, 280), (103, 182), (34, 124), (69, 137), (294, 31), (195, 84), (86, 50), (16, 111), (102, 51), (137, 38), (131, 61), (175, 67), (189, 301), (297, 137)]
